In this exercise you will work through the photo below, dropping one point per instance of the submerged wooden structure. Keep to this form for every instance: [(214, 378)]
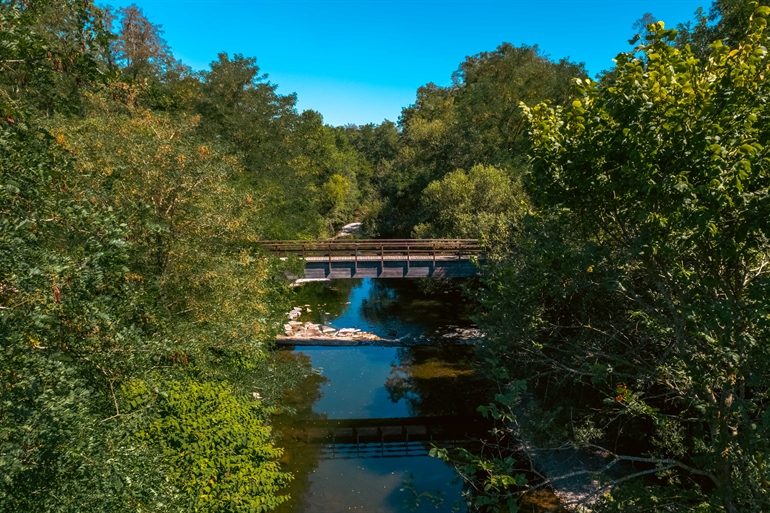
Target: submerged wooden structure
[(388, 437)]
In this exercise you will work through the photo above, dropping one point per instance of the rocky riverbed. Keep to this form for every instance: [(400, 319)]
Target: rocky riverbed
[(308, 333)]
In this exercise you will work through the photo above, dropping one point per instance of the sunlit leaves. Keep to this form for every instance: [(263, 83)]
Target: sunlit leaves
[(656, 180)]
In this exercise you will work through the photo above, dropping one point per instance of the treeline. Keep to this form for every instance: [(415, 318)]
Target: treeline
[(453, 166)]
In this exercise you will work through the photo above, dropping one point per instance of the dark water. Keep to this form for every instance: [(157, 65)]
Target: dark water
[(435, 378)]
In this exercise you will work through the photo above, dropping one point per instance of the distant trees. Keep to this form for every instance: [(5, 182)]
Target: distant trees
[(481, 203), (475, 121)]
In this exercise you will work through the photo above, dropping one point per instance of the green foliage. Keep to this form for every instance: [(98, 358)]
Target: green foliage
[(475, 121), (134, 297), (217, 448), (638, 291), (496, 476), (68, 320), (48, 56), (482, 203)]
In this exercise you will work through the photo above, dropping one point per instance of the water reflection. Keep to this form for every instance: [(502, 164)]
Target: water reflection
[(437, 380), (301, 459), (355, 379), (390, 308), (377, 485), (377, 382)]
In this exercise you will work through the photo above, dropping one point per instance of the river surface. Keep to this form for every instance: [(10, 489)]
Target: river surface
[(428, 376)]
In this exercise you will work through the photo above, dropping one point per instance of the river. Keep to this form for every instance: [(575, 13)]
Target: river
[(429, 375)]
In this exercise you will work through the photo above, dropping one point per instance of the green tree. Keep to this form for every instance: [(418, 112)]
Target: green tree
[(482, 203), (132, 292), (49, 56), (138, 47), (637, 299)]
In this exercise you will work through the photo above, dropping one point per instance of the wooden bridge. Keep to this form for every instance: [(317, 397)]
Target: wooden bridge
[(384, 258), (388, 437)]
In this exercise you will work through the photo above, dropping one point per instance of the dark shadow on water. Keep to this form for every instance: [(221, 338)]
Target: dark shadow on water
[(437, 380), (301, 459)]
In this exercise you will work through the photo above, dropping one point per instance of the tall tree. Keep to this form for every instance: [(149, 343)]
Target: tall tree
[(139, 47)]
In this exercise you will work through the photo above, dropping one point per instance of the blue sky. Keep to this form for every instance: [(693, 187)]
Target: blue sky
[(362, 61)]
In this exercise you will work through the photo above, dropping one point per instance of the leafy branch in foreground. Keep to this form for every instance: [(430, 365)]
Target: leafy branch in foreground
[(635, 299)]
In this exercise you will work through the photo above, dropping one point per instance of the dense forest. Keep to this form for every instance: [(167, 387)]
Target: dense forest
[(625, 295)]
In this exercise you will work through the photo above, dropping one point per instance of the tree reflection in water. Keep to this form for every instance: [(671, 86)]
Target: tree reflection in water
[(437, 380), (412, 308), (300, 458), (328, 300)]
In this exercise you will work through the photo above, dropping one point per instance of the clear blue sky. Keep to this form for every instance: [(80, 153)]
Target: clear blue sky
[(362, 61)]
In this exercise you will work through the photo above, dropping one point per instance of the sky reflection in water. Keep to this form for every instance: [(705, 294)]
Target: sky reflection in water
[(382, 382)]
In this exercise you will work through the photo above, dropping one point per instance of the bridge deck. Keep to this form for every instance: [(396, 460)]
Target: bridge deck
[(391, 258)]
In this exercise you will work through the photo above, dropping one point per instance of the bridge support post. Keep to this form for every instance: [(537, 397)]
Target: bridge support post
[(433, 250)]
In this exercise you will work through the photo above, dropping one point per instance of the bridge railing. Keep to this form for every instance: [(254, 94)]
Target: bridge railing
[(381, 248)]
